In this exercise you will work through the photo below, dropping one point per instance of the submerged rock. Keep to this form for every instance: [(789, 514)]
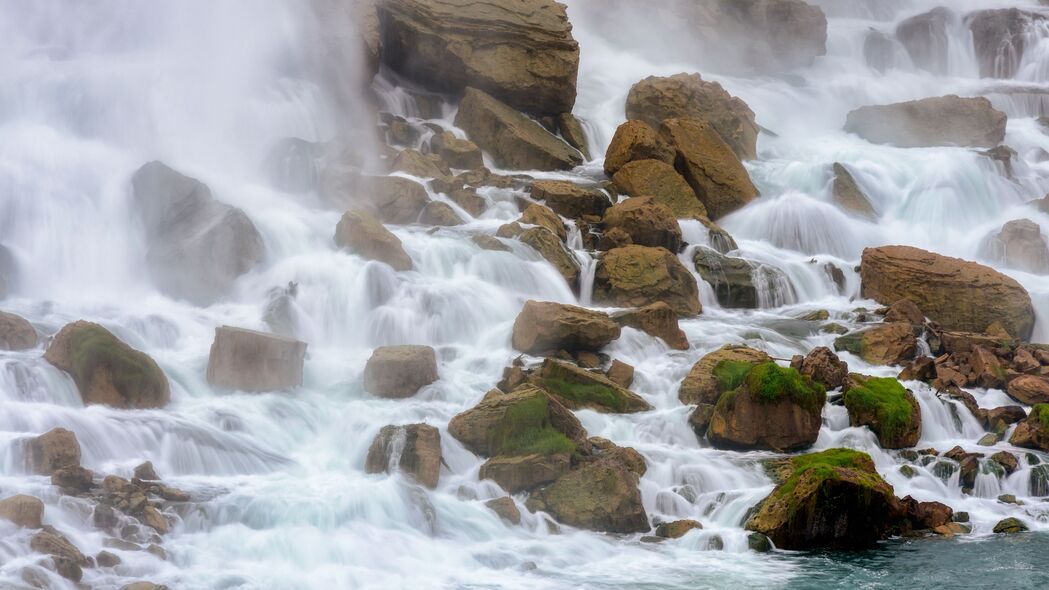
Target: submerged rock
[(366, 236), (414, 449), (931, 122), (634, 141), (439, 214), (247, 360), (635, 276), (847, 193), (16, 333), (926, 37), (889, 409), (506, 509), (400, 371), (1000, 39), (741, 284), (1010, 526), (544, 326)]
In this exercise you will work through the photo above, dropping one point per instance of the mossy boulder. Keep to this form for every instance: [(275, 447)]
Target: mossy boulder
[(602, 495), (770, 407), (578, 388), (709, 166), (659, 180), (546, 326), (364, 235), (885, 344), (832, 499), (633, 141), (887, 407), (1010, 526), (635, 276), (716, 373), (106, 370), (823, 366), (1033, 433), (519, 473)]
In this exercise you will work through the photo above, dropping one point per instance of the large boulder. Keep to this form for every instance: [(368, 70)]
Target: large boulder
[(709, 166), (521, 52), (1020, 244), (930, 122), (635, 276), (53, 451), (656, 319), (106, 370), (364, 235), (578, 389), (1029, 389), (400, 371), (958, 294), (1033, 433), (885, 344), (833, 499), (523, 422), (1000, 39), (926, 38), (647, 221), (847, 193), (889, 409), (536, 214), (16, 333), (196, 245), (25, 511), (659, 180), (602, 495), (768, 407), (742, 284), (687, 96), (247, 360), (513, 140), (717, 373), (414, 449), (633, 141), (393, 199), (570, 199), (545, 326)]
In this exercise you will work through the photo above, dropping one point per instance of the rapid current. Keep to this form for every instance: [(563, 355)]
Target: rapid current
[(89, 91)]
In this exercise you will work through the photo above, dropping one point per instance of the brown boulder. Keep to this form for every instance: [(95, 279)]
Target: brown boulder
[(414, 162), (550, 248), (525, 421), (930, 122), (68, 559), (25, 511), (885, 344), (823, 366), (1033, 433), (457, 152), (571, 129), (739, 283), (633, 141), (416, 448), (16, 333), (570, 199), (543, 327), (400, 371), (676, 529), (439, 214), (536, 214), (519, 473), (577, 389), (396, 200), (1020, 244), (659, 180), (927, 515), (635, 276), (647, 221), (601, 496), (365, 236), (55, 449), (247, 360), (709, 166), (658, 320), (506, 509), (705, 383), (958, 294), (847, 193), (620, 373), (905, 311), (1029, 390)]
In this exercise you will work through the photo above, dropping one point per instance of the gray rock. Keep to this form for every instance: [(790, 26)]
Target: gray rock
[(247, 360)]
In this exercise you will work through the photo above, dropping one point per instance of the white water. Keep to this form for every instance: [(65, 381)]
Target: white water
[(89, 92)]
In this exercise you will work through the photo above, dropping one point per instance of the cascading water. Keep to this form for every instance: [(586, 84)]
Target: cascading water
[(90, 92)]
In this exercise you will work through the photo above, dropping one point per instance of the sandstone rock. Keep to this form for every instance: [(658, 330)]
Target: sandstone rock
[(635, 276), (16, 333), (886, 344), (400, 371), (677, 528), (519, 473), (414, 449), (25, 511), (196, 245), (658, 320), (524, 422), (469, 200), (569, 199), (549, 247), (926, 38), (739, 283), (536, 214), (905, 311), (522, 52), (143, 586), (1033, 433), (578, 388), (506, 509), (709, 166), (659, 180), (687, 96), (365, 236), (512, 140), (647, 221), (633, 141), (1029, 390), (146, 472), (999, 419), (457, 152), (958, 294), (1000, 39), (439, 214), (543, 327), (1020, 244), (706, 381), (51, 542), (106, 370), (620, 373), (930, 122), (847, 193), (824, 367), (247, 360), (890, 410), (927, 515), (601, 496), (416, 163), (394, 199)]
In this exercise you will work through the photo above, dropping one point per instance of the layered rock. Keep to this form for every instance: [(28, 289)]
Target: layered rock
[(930, 122), (1033, 433), (16, 333), (887, 408), (886, 344), (1029, 389), (635, 276), (709, 166), (106, 370), (569, 199), (659, 180), (647, 221), (1020, 244), (958, 294), (633, 141), (247, 360), (400, 371), (847, 193), (457, 152), (543, 327), (364, 235), (658, 320), (414, 449), (578, 388)]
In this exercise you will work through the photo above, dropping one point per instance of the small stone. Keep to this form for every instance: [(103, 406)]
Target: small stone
[(759, 543), (988, 440)]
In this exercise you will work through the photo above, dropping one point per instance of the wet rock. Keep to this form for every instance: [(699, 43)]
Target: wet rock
[(51, 542), (1000, 39), (416, 163), (905, 311), (824, 367), (146, 472), (107, 559), (393, 199), (469, 200), (1010, 526), (887, 408), (958, 294), (925, 37), (927, 515), (16, 333), (601, 496), (25, 511), (569, 199), (439, 214), (447, 46), (512, 140), (647, 221), (143, 586), (400, 371), (519, 473), (759, 543), (1033, 433), (523, 422), (699, 419), (536, 214), (634, 141), (73, 479), (879, 50), (491, 243), (415, 448), (620, 373), (154, 519), (848, 195), (1007, 460), (543, 327), (999, 419), (635, 276), (742, 284), (457, 152), (106, 370), (718, 372), (885, 344), (659, 180), (8, 271), (709, 166), (364, 235), (55, 449), (196, 245), (1021, 245), (687, 96), (930, 122), (677, 528), (247, 360), (1029, 390), (506, 508), (578, 389), (658, 320), (770, 407)]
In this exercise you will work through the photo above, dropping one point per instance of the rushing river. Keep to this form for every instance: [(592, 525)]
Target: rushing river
[(91, 91)]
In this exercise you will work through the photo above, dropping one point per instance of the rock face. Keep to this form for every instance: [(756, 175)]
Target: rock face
[(886, 344), (834, 499), (1033, 433), (741, 284), (521, 52), (931, 122), (513, 140), (647, 221), (106, 370), (1021, 245), (958, 294), (847, 194), (925, 37), (657, 319), (25, 511), (578, 389), (543, 327), (570, 199), (633, 141), (659, 180), (706, 381), (635, 276), (687, 96), (16, 333), (400, 371), (601, 496), (1029, 390), (247, 360), (524, 422), (52, 451), (1000, 39), (365, 236), (414, 449), (709, 166), (889, 409), (197, 246)]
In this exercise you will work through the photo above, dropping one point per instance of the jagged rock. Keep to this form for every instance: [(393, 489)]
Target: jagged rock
[(146, 472), (400, 371), (522, 52), (247, 360), (739, 283), (767, 407), (543, 327), (601, 495), (709, 166), (416, 448), (519, 473), (925, 37), (657, 319), (73, 479), (635, 276), (16, 333), (51, 542), (677, 528), (366, 236), (823, 366), (924, 516), (1020, 245), (833, 499), (569, 199), (890, 410), (847, 193), (659, 180), (393, 199), (106, 370), (457, 152), (513, 140), (634, 141), (196, 245), (706, 381), (578, 389), (647, 221), (550, 248), (506, 509), (25, 511), (1000, 39), (930, 122), (958, 294), (1029, 390), (620, 373), (525, 421), (439, 214), (1033, 433), (885, 344)]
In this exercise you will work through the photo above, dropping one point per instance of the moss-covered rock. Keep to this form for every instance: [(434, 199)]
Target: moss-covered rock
[(887, 407), (833, 499), (635, 276), (578, 388), (705, 383), (1033, 433), (106, 370), (886, 344), (1010, 526)]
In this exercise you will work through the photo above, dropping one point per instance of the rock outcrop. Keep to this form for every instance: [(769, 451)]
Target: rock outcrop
[(364, 235), (414, 449), (885, 406), (931, 122), (400, 371), (247, 360), (544, 326), (16, 333), (709, 166), (635, 276)]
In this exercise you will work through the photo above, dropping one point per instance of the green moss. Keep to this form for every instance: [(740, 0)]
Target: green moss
[(730, 374), (824, 465), (769, 383), (886, 399), (93, 348), (1041, 411), (526, 429), (586, 394)]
